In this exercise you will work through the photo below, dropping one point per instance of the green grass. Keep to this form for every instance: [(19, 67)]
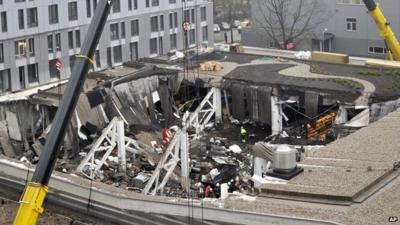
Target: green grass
[(314, 68), (377, 73), (347, 83)]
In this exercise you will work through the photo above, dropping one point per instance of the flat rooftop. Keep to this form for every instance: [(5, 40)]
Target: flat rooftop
[(341, 80)]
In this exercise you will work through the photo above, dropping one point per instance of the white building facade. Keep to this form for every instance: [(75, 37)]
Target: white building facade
[(36, 33)]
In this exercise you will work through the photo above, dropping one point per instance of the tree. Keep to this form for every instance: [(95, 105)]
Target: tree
[(287, 21)]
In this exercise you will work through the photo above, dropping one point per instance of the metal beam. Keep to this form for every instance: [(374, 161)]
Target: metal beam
[(168, 162), (103, 147)]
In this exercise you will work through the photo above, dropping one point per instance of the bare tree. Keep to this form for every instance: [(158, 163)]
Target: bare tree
[(287, 21)]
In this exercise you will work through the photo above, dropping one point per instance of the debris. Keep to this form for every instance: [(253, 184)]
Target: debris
[(211, 66), (4, 141), (303, 55), (224, 191), (214, 173), (139, 181), (235, 149), (258, 181), (24, 159), (177, 55), (13, 126), (113, 159), (234, 121), (220, 159)]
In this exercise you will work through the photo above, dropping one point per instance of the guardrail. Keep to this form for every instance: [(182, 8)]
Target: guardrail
[(129, 208)]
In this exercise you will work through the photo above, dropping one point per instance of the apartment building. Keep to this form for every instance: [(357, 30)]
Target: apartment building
[(35, 34), (348, 29)]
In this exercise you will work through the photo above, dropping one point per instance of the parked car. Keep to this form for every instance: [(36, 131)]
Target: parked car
[(225, 26), (246, 23), (216, 28), (237, 23)]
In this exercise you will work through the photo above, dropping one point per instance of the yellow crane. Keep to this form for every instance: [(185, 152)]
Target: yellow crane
[(31, 204), (384, 29)]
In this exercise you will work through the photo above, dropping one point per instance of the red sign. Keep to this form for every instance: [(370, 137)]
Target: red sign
[(289, 46), (166, 135), (186, 26), (58, 64)]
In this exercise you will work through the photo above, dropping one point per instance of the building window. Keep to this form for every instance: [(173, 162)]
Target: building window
[(351, 24), (52, 69), (147, 3), (78, 38), (97, 58), (58, 42), (186, 15), (53, 14), (192, 37), (129, 5), (33, 73), (50, 43), (32, 17), (135, 27), (153, 46), (114, 31), (205, 33), (116, 6), (21, 70), (88, 9), (5, 80), (72, 11), (162, 22), (31, 46), (172, 38), (176, 19), (154, 24), (172, 1), (3, 18), (1, 53), (70, 39), (117, 52), (377, 50), (155, 3), (203, 14), (123, 30), (71, 62), (171, 20), (20, 48), (192, 18), (21, 22), (94, 5)]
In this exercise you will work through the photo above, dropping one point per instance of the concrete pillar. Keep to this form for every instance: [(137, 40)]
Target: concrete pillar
[(341, 117), (218, 105), (260, 165), (276, 116), (321, 46), (121, 145), (184, 146), (227, 103)]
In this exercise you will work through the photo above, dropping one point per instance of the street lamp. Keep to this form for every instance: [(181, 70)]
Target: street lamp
[(323, 38)]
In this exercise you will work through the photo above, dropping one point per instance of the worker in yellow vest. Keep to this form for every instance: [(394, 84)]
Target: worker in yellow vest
[(243, 134)]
